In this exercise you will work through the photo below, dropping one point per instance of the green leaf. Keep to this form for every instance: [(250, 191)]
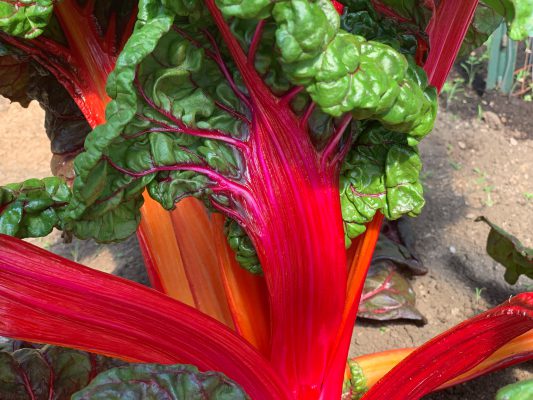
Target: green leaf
[(343, 72), (266, 60), (305, 28), (243, 247), (355, 387), (518, 14), (48, 372), (360, 18), (123, 197), (150, 381), (170, 189), (25, 18), (381, 172), (522, 390), (114, 223), (169, 99), (34, 207), (245, 8), (507, 250)]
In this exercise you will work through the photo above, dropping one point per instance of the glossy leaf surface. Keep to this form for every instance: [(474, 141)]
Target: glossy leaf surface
[(380, 173), (25, 18), (33, 208)]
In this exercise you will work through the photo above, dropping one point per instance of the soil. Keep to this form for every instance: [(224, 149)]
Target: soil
[(478, 161)]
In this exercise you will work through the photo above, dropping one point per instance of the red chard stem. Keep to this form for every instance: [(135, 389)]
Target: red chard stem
[(255, 41)]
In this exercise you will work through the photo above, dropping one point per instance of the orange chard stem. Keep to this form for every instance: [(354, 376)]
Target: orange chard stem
[(375, 366), (358, 264), (246, 293), (181, 257), (88, 49), (161, 252), (192, 230)]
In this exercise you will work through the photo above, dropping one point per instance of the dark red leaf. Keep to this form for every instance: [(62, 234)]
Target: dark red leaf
[(387, 295)]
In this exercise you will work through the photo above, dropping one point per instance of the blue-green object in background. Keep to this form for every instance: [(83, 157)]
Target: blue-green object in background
[(502, 60)]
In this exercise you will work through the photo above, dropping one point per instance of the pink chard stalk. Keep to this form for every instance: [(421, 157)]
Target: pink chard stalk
[(295, 122)]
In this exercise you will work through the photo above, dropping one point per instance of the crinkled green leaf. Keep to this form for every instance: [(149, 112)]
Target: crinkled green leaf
[(34, 207), (381, 172), (305, 28), (170, 189), (243, 247), (167, 81), (522, 390), (48, 373), (507, 250), (171, 382), (192, 9), (117, 222), (517, 13), (168, 96), (387, 295), (355, 387), (266, 61), (343, 72), (25, 18), (121, 209)]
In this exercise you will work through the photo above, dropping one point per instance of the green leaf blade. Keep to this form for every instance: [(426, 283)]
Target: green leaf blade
[(507, 250), (25, 18)]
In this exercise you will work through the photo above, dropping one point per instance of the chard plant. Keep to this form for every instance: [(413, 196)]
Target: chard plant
[(279, 135)]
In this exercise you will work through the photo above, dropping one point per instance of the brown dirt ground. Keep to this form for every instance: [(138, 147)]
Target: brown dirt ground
[(475, 164)]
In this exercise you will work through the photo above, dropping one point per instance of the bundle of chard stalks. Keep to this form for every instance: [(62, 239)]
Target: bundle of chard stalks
[(255, 148)]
